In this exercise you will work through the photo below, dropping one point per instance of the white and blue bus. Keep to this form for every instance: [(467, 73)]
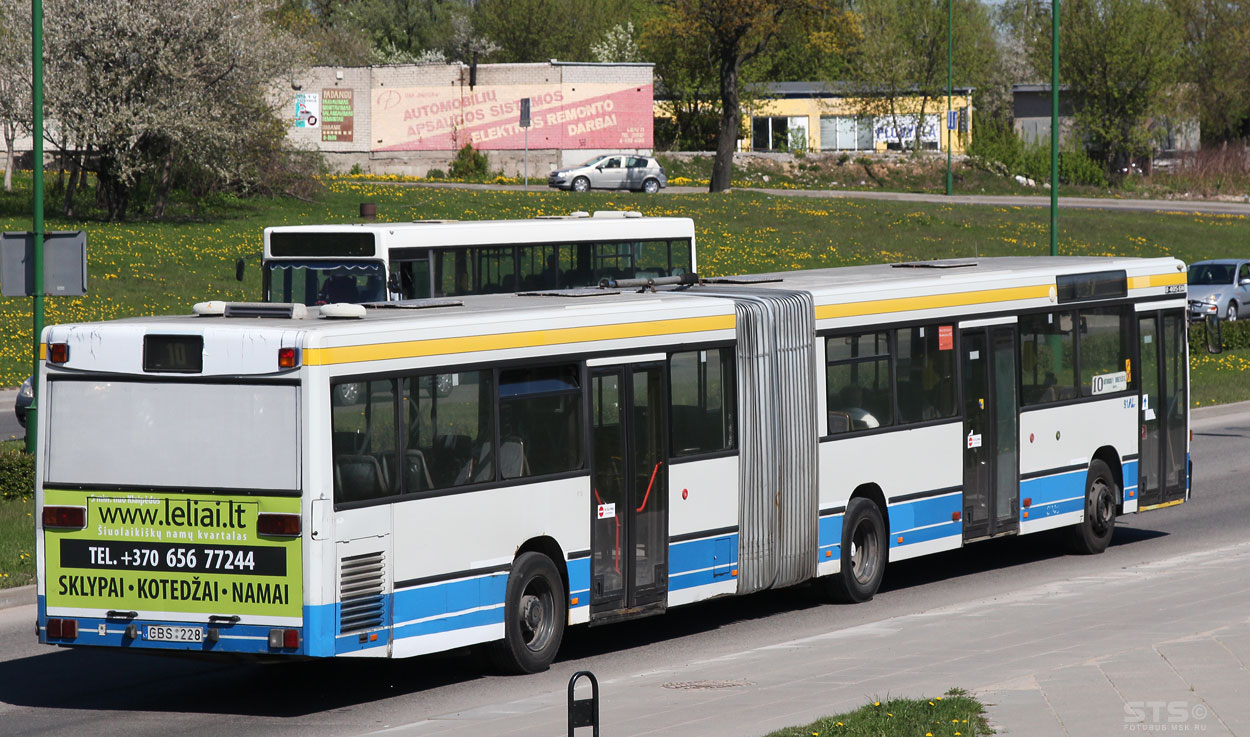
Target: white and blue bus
[(400, 479), (378, 262)]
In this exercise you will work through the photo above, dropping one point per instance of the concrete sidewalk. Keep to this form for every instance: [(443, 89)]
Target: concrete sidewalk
[(1161, 647)]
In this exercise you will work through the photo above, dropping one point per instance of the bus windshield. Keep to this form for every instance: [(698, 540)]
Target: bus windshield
[(324, 282)]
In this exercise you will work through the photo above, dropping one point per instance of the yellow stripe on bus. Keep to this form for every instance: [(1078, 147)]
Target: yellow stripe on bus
[(1157, 280), (1160, 506), (958, 299), (504, 341)]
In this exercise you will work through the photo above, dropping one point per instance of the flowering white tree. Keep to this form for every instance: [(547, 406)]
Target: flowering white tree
[(14, 79), (149, 85)]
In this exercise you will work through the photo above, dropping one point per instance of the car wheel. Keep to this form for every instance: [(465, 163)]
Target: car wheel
[(651, 186), (581, 184), (1231, 314)]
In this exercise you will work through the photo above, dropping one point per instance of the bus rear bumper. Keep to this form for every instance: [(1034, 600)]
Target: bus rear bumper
[(167, 636)]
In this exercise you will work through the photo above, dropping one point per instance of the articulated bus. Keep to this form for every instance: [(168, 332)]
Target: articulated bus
[(378, 262), (425, 475)]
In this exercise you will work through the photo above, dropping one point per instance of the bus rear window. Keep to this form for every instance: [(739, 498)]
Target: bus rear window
[(173, 435)]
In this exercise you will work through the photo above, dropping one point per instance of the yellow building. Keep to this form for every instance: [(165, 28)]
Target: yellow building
[(813, 116)]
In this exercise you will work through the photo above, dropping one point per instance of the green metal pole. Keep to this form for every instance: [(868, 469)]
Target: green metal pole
[(1054, 127), (950, 58), (36, 76)]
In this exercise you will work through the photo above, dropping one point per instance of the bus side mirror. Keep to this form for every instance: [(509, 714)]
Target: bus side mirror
[(238, 270), (1215, 340)]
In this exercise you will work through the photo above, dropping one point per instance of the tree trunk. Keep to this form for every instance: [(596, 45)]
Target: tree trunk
[(924, 102), (727, 136), (10, 158), (75, 172), (163, 186)]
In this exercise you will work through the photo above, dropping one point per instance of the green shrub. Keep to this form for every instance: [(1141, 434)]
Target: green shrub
[(436, 174), (470, 164), (17, 475), (356, 170), (997, 148), (1233, 335)]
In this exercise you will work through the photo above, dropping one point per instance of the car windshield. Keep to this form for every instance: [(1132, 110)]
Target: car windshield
[(1208, 274), (592, 161)]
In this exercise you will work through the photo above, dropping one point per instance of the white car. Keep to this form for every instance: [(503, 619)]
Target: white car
[(612, 171)]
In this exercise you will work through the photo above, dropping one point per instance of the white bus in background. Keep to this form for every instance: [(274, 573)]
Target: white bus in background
[(506, 465), (379, 262)]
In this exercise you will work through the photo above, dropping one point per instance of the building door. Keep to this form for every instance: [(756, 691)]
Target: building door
[(991, 431), (629, 508), (1163, 462)]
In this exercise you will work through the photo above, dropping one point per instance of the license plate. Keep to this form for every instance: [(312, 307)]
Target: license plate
[(166, 633)]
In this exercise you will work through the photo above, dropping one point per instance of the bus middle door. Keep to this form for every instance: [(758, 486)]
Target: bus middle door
[(629, 504), (991, 430)]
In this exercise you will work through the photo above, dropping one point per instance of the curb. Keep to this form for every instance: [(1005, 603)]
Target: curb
[(20, 596)]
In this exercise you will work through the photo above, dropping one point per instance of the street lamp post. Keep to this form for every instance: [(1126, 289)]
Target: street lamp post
[(950, 56), (36, 78), (1054, 127)]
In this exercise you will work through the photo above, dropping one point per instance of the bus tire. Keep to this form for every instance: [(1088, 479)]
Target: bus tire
[(865, 548), (1093, 534), (534, 616)]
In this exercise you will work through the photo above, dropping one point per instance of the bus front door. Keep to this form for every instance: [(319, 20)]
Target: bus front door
[(991, 431), (1162, 461), (629, 504)]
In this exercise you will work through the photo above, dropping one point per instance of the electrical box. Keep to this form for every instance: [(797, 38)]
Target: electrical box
[(64, 264)]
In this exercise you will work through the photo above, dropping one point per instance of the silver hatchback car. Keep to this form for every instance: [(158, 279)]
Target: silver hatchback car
[(612, 171), (1219, 287)]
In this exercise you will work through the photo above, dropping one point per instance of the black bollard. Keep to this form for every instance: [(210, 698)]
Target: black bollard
[(584, 712)]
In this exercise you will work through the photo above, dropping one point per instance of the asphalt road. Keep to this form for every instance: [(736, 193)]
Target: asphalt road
[(10, 429), (48, 691)]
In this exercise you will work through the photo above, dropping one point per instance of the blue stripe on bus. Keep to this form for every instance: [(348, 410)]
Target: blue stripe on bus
[(700, 562), (579, 581), (1129, 469), (829, 538), (1051, 495), (937, 510)]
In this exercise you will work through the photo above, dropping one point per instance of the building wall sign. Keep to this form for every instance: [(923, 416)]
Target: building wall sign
[(602, 115)]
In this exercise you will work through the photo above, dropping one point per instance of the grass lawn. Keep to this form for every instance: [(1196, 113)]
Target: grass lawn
[(17, 542), (141, 268), (954, 715)]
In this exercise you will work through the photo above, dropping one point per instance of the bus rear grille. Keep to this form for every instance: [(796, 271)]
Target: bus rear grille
[(362, 586)]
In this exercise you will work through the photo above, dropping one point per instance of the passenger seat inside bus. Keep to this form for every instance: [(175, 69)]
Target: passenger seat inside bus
[(358, 477)]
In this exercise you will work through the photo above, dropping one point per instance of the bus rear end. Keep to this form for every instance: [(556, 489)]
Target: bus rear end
[(168, 488)]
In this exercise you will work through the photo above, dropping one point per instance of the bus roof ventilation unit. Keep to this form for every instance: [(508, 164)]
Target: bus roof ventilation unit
[(939, 264), (280, 310), (610, 214), (414, 304), (341, 311), (742, 280), (579, 292)]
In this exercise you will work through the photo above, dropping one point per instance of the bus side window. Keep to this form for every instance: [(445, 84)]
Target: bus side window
[(859, 395), (413, 277), (362, 424), (449, 430), (540, 420), (703, 395), (925, 375), (1048, 350)]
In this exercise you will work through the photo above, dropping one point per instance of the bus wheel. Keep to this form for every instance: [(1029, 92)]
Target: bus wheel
[(534, 616), (1094, 533), (864, 550)]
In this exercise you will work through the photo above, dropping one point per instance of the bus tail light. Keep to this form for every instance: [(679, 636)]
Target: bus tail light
[(62, 629), (65, 518), (285, 639), (288, 358), (278, 525), (58, 352)]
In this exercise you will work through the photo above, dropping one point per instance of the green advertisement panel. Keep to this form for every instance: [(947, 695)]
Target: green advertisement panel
[(194, 554)]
